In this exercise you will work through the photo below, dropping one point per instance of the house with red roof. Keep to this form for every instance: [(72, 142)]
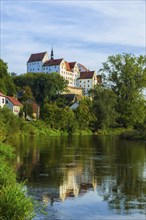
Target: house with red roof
[(13, 104), (87, 81), (36, 61), (35, 109)]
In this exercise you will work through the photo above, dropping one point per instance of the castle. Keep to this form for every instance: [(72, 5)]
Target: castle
[(77, 75)]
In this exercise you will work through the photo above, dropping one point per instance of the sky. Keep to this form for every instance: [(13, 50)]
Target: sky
[(83, 31)]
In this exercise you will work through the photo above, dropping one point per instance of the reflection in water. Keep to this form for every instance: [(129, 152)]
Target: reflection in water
[(73, 168)]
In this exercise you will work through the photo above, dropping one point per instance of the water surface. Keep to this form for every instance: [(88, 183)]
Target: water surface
[(85, 178)]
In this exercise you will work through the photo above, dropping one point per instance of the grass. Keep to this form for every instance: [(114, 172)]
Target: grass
[(15, 204)]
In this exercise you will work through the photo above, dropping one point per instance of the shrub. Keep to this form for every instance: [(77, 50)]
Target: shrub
[(14, 202)]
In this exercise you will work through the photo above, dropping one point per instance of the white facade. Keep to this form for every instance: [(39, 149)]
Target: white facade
[(63, 68), (76, 74), (36, 61), (14, 108), (2, 100), (87, 83), (34, 67), (51, 69), (70, 71)]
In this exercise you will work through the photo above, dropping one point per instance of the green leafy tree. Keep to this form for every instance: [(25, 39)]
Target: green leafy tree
[(103, 106), (6, 82), (27, 94), (84, 115), (27, 109), (58, 118), (43, 86), (127, 78)]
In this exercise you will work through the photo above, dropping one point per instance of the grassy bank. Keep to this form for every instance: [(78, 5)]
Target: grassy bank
[(14, 202)]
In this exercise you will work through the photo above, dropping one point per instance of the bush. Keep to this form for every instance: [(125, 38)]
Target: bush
[(14, 202)]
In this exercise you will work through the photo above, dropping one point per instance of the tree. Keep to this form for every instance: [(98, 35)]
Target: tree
[(58, 118), (127, 78), (84, 115), (6, 83), (103, 104), (43, 86), (28, 95)]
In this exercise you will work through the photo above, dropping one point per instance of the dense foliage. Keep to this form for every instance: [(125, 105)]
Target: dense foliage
[(43, 86), (14, 201), (6, 82), (119, 102), (127, 78), (103, 106)]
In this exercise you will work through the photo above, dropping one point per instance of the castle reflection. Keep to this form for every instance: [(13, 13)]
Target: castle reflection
[(59, 168)]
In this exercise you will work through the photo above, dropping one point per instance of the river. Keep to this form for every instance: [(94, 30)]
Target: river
[(84, 177)]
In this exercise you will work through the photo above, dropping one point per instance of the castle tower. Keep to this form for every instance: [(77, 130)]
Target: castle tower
[(52, 54)]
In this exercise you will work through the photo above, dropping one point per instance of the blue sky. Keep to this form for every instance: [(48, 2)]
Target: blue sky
[(83, 31)]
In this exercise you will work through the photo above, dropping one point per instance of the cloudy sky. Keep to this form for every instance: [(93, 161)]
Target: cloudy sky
[(83, 31)]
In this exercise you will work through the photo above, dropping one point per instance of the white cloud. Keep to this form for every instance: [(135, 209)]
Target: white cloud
[(79, 30)]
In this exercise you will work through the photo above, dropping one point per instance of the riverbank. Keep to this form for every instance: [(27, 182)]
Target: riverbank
[(12, 126), (14, 201), (135, 135)]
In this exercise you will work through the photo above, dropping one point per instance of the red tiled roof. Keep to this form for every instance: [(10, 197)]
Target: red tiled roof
[(1, 94), (67, 66), (13, 101), (34, 105), (86, 75), (72, 64), (53, 62), (36, 57)]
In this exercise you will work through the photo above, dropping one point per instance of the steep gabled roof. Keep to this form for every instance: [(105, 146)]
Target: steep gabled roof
[(67, 66), (53, 62), (86, 75), (72, 64), (35, 106), (13, 101), (36, 57)]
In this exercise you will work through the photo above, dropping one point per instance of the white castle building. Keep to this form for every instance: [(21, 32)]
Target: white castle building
[(76, 74)]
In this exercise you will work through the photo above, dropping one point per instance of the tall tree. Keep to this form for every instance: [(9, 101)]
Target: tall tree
[(127, 78), (84, 115), (104, 102), (6, 83)]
